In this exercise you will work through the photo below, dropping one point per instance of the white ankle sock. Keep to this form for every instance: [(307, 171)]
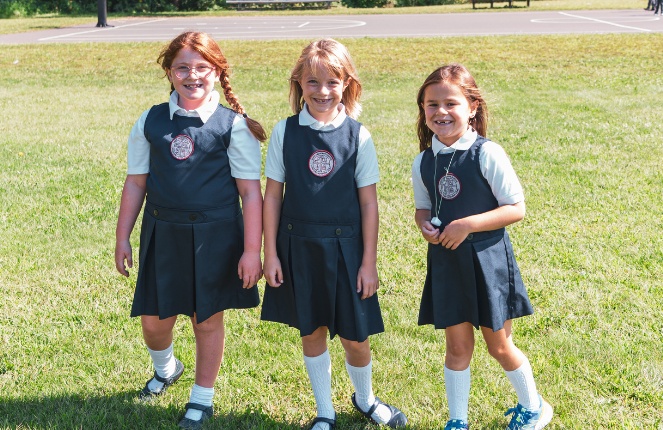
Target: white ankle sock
[(202, 396), (522, 380), (362, 380), (164, 364), (319, 373), (457, 383)]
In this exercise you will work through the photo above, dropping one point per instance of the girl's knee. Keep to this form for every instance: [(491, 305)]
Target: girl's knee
[(459, 354), (354, 347), (505, 353)]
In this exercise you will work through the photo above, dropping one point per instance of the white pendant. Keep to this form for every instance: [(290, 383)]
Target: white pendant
[(436, 222)]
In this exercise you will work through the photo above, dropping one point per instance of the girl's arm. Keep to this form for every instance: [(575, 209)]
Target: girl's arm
[(456, 231), (133, 195), (271, 216), (367, 278), (249, 268)]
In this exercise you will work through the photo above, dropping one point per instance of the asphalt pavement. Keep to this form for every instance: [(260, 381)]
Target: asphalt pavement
[(136, 29)]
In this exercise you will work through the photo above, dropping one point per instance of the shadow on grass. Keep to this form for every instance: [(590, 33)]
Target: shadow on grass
[(117, 411), (125, 411)]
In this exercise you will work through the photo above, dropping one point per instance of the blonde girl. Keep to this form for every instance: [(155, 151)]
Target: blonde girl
[(321, 234)]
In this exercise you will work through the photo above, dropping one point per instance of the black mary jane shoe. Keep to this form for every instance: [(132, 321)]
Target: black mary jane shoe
[(398, 418), (147, 394), (331, 422), (189, 424)]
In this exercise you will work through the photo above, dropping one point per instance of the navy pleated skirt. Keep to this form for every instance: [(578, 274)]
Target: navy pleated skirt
[(479, 282), (188, 263), (320, 265)]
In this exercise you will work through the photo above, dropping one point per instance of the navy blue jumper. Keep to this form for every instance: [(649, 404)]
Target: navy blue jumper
[(192, 234), (319, 241), (479, 282)]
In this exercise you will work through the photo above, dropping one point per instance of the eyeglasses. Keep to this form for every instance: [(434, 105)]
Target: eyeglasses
[(183, 72)]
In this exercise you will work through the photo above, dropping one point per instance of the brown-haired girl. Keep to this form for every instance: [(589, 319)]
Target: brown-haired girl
[(191, 160), (466, 192), (321, 235)]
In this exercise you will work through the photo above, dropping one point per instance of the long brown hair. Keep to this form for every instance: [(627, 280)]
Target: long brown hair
[(332, 56), (207, 47), (453, 74)]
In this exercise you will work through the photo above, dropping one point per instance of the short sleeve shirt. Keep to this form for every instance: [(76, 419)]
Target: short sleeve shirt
[(243, 152), (495, 167), (366, 172)]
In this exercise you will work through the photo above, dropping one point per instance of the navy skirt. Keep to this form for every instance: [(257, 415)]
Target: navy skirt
[(479, 282), (188, 263), (320, 265)]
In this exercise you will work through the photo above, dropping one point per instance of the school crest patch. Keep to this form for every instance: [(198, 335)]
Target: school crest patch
[(181, 147), (321, 163), (448, 186)]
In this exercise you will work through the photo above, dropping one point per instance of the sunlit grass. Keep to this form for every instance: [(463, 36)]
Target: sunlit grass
[(576, 114)]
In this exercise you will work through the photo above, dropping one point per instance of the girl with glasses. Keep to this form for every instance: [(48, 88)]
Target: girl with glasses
[(191, 160)]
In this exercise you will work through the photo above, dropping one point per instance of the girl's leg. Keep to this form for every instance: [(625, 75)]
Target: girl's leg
[(515, 364), (318, 367), (359, 365), (210, 343), (459, 350), (532, 411), (158, 336)]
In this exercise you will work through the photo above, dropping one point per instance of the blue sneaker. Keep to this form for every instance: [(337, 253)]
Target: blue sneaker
[(456, 425), (524, 419)]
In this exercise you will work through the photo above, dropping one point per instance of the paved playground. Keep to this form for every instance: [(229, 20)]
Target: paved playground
[(339, 26)]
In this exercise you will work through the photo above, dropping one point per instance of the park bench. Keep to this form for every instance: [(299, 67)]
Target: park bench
[(281, 4), (474, 2)]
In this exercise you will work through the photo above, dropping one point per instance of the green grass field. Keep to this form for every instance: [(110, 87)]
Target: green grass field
[(579, 117)]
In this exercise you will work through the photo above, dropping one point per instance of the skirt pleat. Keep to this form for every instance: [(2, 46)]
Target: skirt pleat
[(187, 269), (479, 282)]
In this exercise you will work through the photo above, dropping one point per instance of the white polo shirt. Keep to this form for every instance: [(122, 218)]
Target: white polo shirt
[(243, 152), (366, 172), (494, 164)]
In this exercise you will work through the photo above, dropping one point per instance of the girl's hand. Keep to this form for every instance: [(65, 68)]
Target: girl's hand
[(367, 280), (249, 269), (430, 232), (454, 234), (273, 272), (122, 253)]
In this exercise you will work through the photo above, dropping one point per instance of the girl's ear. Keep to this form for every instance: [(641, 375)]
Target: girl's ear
[(474, 106)]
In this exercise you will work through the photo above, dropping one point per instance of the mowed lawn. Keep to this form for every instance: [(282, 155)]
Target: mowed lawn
[(579, 117)]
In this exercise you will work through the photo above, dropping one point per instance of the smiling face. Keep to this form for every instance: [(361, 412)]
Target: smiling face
[(193, 90), (322, 92), (447, 111)]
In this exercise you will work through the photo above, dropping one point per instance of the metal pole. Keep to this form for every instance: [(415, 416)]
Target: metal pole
[(101, 14)]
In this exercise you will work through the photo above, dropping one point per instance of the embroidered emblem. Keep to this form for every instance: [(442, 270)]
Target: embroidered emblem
[(449, 186), (321, 163), (181, 147)]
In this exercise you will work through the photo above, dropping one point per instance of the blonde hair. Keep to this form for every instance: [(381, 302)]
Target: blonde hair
[(453, 74), (207, 47), (332, 56)]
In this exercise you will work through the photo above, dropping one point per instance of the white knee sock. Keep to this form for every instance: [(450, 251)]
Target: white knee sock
[(319, 373), (362, 379), (522, 380), (457, 383), (164, 364), (202, 396)]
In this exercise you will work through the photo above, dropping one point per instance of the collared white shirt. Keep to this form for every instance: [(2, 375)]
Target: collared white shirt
[(494, 164), (366, 172), (243, 152)]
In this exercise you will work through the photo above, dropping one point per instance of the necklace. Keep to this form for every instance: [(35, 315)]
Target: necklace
[(436, 221)]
